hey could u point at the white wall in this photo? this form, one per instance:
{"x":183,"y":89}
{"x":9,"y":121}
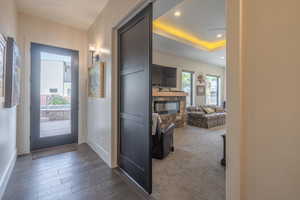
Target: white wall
{"x":34,"y":29}
{"x":8,"y":26}
{"x":101,"y":112}
{"x":198,"y":67}
{"x":271,"y":110}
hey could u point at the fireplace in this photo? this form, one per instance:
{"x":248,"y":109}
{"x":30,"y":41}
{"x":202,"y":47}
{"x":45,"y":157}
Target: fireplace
{"x":167,"y":107}
{"x":171,"y":106}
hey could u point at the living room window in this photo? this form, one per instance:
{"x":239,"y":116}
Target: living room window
{"x":212,"y":90}
{"x":187,"y":85}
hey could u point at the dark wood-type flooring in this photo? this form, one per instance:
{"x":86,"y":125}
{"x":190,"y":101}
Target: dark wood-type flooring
{"x":75,"y":175}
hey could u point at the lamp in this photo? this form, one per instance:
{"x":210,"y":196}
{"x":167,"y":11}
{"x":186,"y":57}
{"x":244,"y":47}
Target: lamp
{"x":94,"y":52}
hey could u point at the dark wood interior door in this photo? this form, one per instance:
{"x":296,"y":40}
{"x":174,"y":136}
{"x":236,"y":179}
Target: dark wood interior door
{"x":135,"y":96}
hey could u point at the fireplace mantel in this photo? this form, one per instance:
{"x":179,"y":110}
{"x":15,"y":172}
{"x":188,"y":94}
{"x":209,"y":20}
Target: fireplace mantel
{"x":169,"y":94}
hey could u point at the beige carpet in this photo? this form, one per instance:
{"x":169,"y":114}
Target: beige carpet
{"x":193,"y":171}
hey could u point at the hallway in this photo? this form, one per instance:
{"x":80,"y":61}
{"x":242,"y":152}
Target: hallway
{"x":75,"y":175}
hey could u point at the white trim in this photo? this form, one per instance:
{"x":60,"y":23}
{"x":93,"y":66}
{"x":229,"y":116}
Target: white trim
{"x":132,"y":13}
{"x":104,"y":155}
{"x":114,"y":98}
{"x":7,"y":173}
{"x":234,"y":99}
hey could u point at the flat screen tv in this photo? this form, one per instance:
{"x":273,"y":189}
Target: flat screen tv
{"x":163,"y":76}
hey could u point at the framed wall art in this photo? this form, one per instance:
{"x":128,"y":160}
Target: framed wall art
{"x":97,"y":80}
{"x":2,"y":69}
{"x":12,"y":74}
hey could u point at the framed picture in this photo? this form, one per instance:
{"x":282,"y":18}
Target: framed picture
{"x":2,"y":69}
{"x":12,"y":74}
{"x":96,"y":80}
{"x":200,"y":90}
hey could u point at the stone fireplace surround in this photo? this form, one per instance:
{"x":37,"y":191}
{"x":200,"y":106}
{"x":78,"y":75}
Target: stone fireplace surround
{"x":178,"y":118}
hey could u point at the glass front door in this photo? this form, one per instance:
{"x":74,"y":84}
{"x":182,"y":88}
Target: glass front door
{"x":54,"y":96}
{"x":187,"y":86}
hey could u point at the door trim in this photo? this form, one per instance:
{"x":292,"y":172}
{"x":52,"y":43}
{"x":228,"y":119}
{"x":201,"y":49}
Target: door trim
{"x":234,"y":14}
{"x":138,"y":8}
{"x":114,"y":148}
{"x":74,"y":101}
{"x":234,"y":59}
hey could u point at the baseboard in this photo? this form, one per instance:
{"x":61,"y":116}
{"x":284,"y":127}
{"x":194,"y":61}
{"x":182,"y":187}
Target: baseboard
{"x":7,"y":172}
{"x":104,"y":155}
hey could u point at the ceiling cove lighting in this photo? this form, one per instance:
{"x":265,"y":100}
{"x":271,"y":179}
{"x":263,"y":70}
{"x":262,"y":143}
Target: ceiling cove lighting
{"x":177,"y":14}
{"x":175,"y":32}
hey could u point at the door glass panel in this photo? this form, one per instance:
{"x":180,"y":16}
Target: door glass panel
{"x":55,"y":95}
{"x":187,"y":86}
{"x":212,"y":90}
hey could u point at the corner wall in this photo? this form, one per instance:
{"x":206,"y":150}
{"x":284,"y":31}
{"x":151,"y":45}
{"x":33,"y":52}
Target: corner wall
{"x":271,"y":110}
{"x":8,"y":26}
{"x":102,"y":121}
{"x":35,"y":29}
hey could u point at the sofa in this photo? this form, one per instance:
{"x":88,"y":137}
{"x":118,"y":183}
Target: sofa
{"x":206,"y":116}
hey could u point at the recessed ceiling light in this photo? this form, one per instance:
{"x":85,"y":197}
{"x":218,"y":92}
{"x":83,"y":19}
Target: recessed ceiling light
{"x":222,"y":57}
{"x":219,"y":35}
{"x":177,"y":14}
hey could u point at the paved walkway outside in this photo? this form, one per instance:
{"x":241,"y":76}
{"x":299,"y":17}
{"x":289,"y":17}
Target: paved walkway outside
{"x":54,"y":128}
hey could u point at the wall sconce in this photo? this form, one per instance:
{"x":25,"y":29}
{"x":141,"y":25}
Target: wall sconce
{"x":95,"y":53}
{"x":104,"y":51}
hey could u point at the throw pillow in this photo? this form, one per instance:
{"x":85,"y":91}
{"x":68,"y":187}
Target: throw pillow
{"x":208,"y":110}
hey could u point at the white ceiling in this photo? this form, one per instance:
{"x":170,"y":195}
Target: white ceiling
{"x":76,"y":13}
{"x":202,"y":18}
{"x":169,"y":46}
{"x":160,"y":7}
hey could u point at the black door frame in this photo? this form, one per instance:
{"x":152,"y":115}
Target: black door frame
{"x":135,"y":18}
{"x":218,"y":92}
{"x":35,"y":141}
{"x":192,"y":73}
